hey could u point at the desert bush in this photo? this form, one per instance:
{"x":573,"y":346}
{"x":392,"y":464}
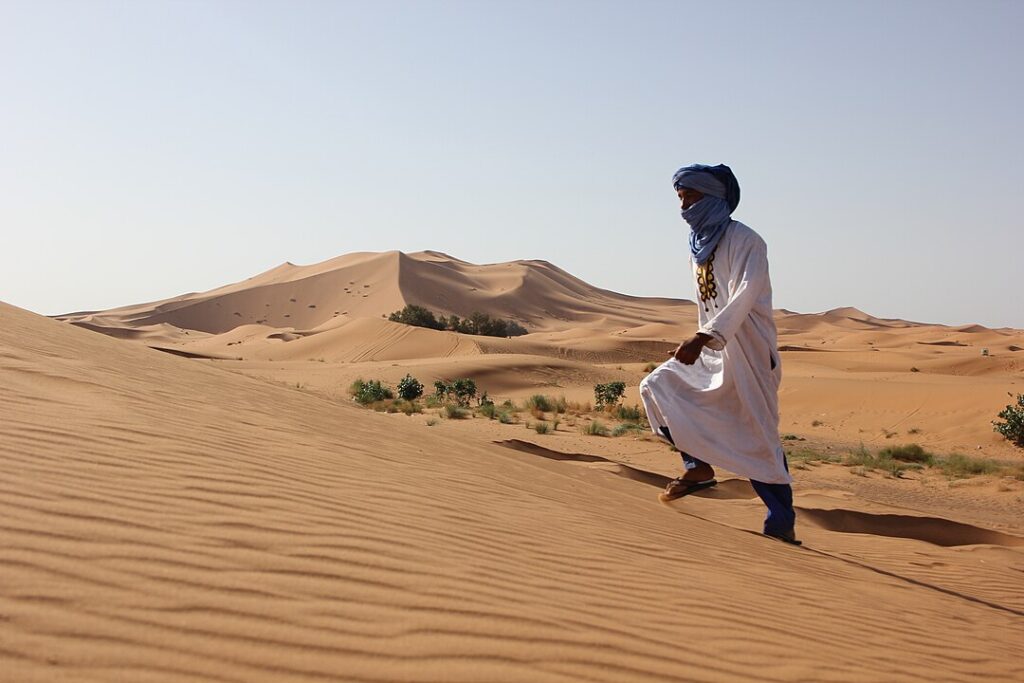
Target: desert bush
{"x":595,"y":428}
{"x":909,"y":453}
{"x":454,"y":412}
{"x":505,"y":417}
{"x":410,"y":388}
{"x":540,"y":402}
{"x":541,"y":427}
{"x":629,"y":414}
{"x":650,"y":367}
{"x":959,"y":466}
{"x":464,"y":391}
{"x":1012,"y":426}
{"x":622,"y":430}
{"x":608,"y":394}
{"x":488,"y":410}
{"x":366,"y":393}
{"x":431,"y":422}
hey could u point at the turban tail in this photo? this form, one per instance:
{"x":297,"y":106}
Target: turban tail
{"x":709,"y":217}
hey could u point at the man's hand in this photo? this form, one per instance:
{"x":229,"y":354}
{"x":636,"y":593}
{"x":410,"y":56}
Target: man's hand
{"x":688,"y":352}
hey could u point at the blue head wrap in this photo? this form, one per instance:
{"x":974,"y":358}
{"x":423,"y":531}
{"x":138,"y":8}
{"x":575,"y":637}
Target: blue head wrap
{"x":709,"y":217}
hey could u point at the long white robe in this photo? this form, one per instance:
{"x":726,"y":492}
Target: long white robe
{"x":724,"y":409}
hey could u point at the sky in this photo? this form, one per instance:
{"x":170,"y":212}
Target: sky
{"x":148,"y":149}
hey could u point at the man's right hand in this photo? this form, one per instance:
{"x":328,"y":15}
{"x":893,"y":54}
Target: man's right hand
{"x":688,"y":352}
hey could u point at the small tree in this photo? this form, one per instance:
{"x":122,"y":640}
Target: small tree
{"x":442,"y":389}
{"x":609,"y":394}
{"x":464,"y":390}
{"x":410,"y":388}
{"x":1013,"y":427}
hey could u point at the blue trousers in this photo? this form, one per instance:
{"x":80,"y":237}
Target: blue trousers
{"x":778,"y":498}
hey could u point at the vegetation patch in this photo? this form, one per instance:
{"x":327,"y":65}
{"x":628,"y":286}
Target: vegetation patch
{"x":477,"y":323}
{"x":608,"y":394}
{"x":1011,"y":424}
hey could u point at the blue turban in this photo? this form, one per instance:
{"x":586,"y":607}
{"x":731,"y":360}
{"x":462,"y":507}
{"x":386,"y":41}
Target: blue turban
{"x":709,"y":217}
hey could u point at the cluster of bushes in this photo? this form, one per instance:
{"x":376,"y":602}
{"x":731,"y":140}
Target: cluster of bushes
{"x":461,"y":391}
{"x":478,"y":323}
{"x":896,"y":460}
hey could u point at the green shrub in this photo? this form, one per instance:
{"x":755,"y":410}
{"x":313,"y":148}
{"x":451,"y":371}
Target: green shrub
{"x":373,"y":391}
{"x":505,"y":417}
{"x":609,"y":394}
{"x":488,"y":410}
{"x":595,"y":428}
{"x":454,"y":412}
{"x":410,"y":388}
{"x":1013,"y":426}
{"x":541,"y":427}
{"x":909,"y":453}
{"x":541,"y":403}
{"x":621,"y":430}
{"x":464,"y":391}
{"x":959,"y":466}
{"x":629,"y":414}
{"x":650,"y":367}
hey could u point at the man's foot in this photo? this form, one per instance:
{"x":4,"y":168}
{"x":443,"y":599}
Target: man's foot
{"x":684,"y":486}
{"x":787,"y":536}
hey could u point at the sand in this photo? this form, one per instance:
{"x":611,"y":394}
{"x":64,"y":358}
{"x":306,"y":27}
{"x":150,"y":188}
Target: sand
{"x":192,"y":516}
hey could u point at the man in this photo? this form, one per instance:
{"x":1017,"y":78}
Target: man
{"x":716,"y":399}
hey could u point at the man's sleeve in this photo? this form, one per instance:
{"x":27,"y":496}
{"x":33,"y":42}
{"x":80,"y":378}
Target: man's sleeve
{"x":749,"y":267}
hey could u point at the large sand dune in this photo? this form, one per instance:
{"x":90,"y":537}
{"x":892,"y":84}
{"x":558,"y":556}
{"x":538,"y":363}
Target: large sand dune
{"x":166,"y":519}
{"x":858,"y":377}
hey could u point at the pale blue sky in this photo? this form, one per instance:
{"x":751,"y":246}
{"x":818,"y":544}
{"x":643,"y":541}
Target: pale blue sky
{"x":148,"y":149}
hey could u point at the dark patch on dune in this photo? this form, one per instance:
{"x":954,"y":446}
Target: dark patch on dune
{"x":942,"y":343}
{"x":190,"y":354}
{"x":933,"y":530}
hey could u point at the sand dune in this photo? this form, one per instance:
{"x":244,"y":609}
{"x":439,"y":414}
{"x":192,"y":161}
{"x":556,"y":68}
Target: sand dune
{"x":164,"y":519}
{"x":866,"y":378}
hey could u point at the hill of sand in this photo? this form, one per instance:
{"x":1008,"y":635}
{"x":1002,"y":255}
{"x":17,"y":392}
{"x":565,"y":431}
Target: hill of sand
{"x":849,"y":377}
{"x":169,"y":519}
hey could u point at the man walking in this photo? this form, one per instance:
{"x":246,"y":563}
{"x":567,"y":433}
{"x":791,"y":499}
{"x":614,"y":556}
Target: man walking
{"x":716,"y":399}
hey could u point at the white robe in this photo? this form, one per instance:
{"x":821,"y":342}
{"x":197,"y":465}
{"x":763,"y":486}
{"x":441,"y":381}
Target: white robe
{"x":724,"y":409}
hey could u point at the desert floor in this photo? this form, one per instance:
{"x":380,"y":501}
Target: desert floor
{"x":193,"y":495}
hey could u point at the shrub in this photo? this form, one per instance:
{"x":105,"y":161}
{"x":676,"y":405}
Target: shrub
{"x":959,"y":466}
{"x":595,"y":428}
{"x":650,"y":367}
{"x":410,"y":388}
{"x":505,"y":417}
{"x":464,"y":390}
{"x":488,"y":410}
{"x":454,"y":412}
{"x":909,"y":453}
{"x":629,"y":414}
{"x":609,"y":394}
{"x":1013,"y":426}
{"x":541,"y":403}
{"x":541,"y":427}
{"x":431,"y":422}
{"x":373,"y":391}
{"x":621,"y":430}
